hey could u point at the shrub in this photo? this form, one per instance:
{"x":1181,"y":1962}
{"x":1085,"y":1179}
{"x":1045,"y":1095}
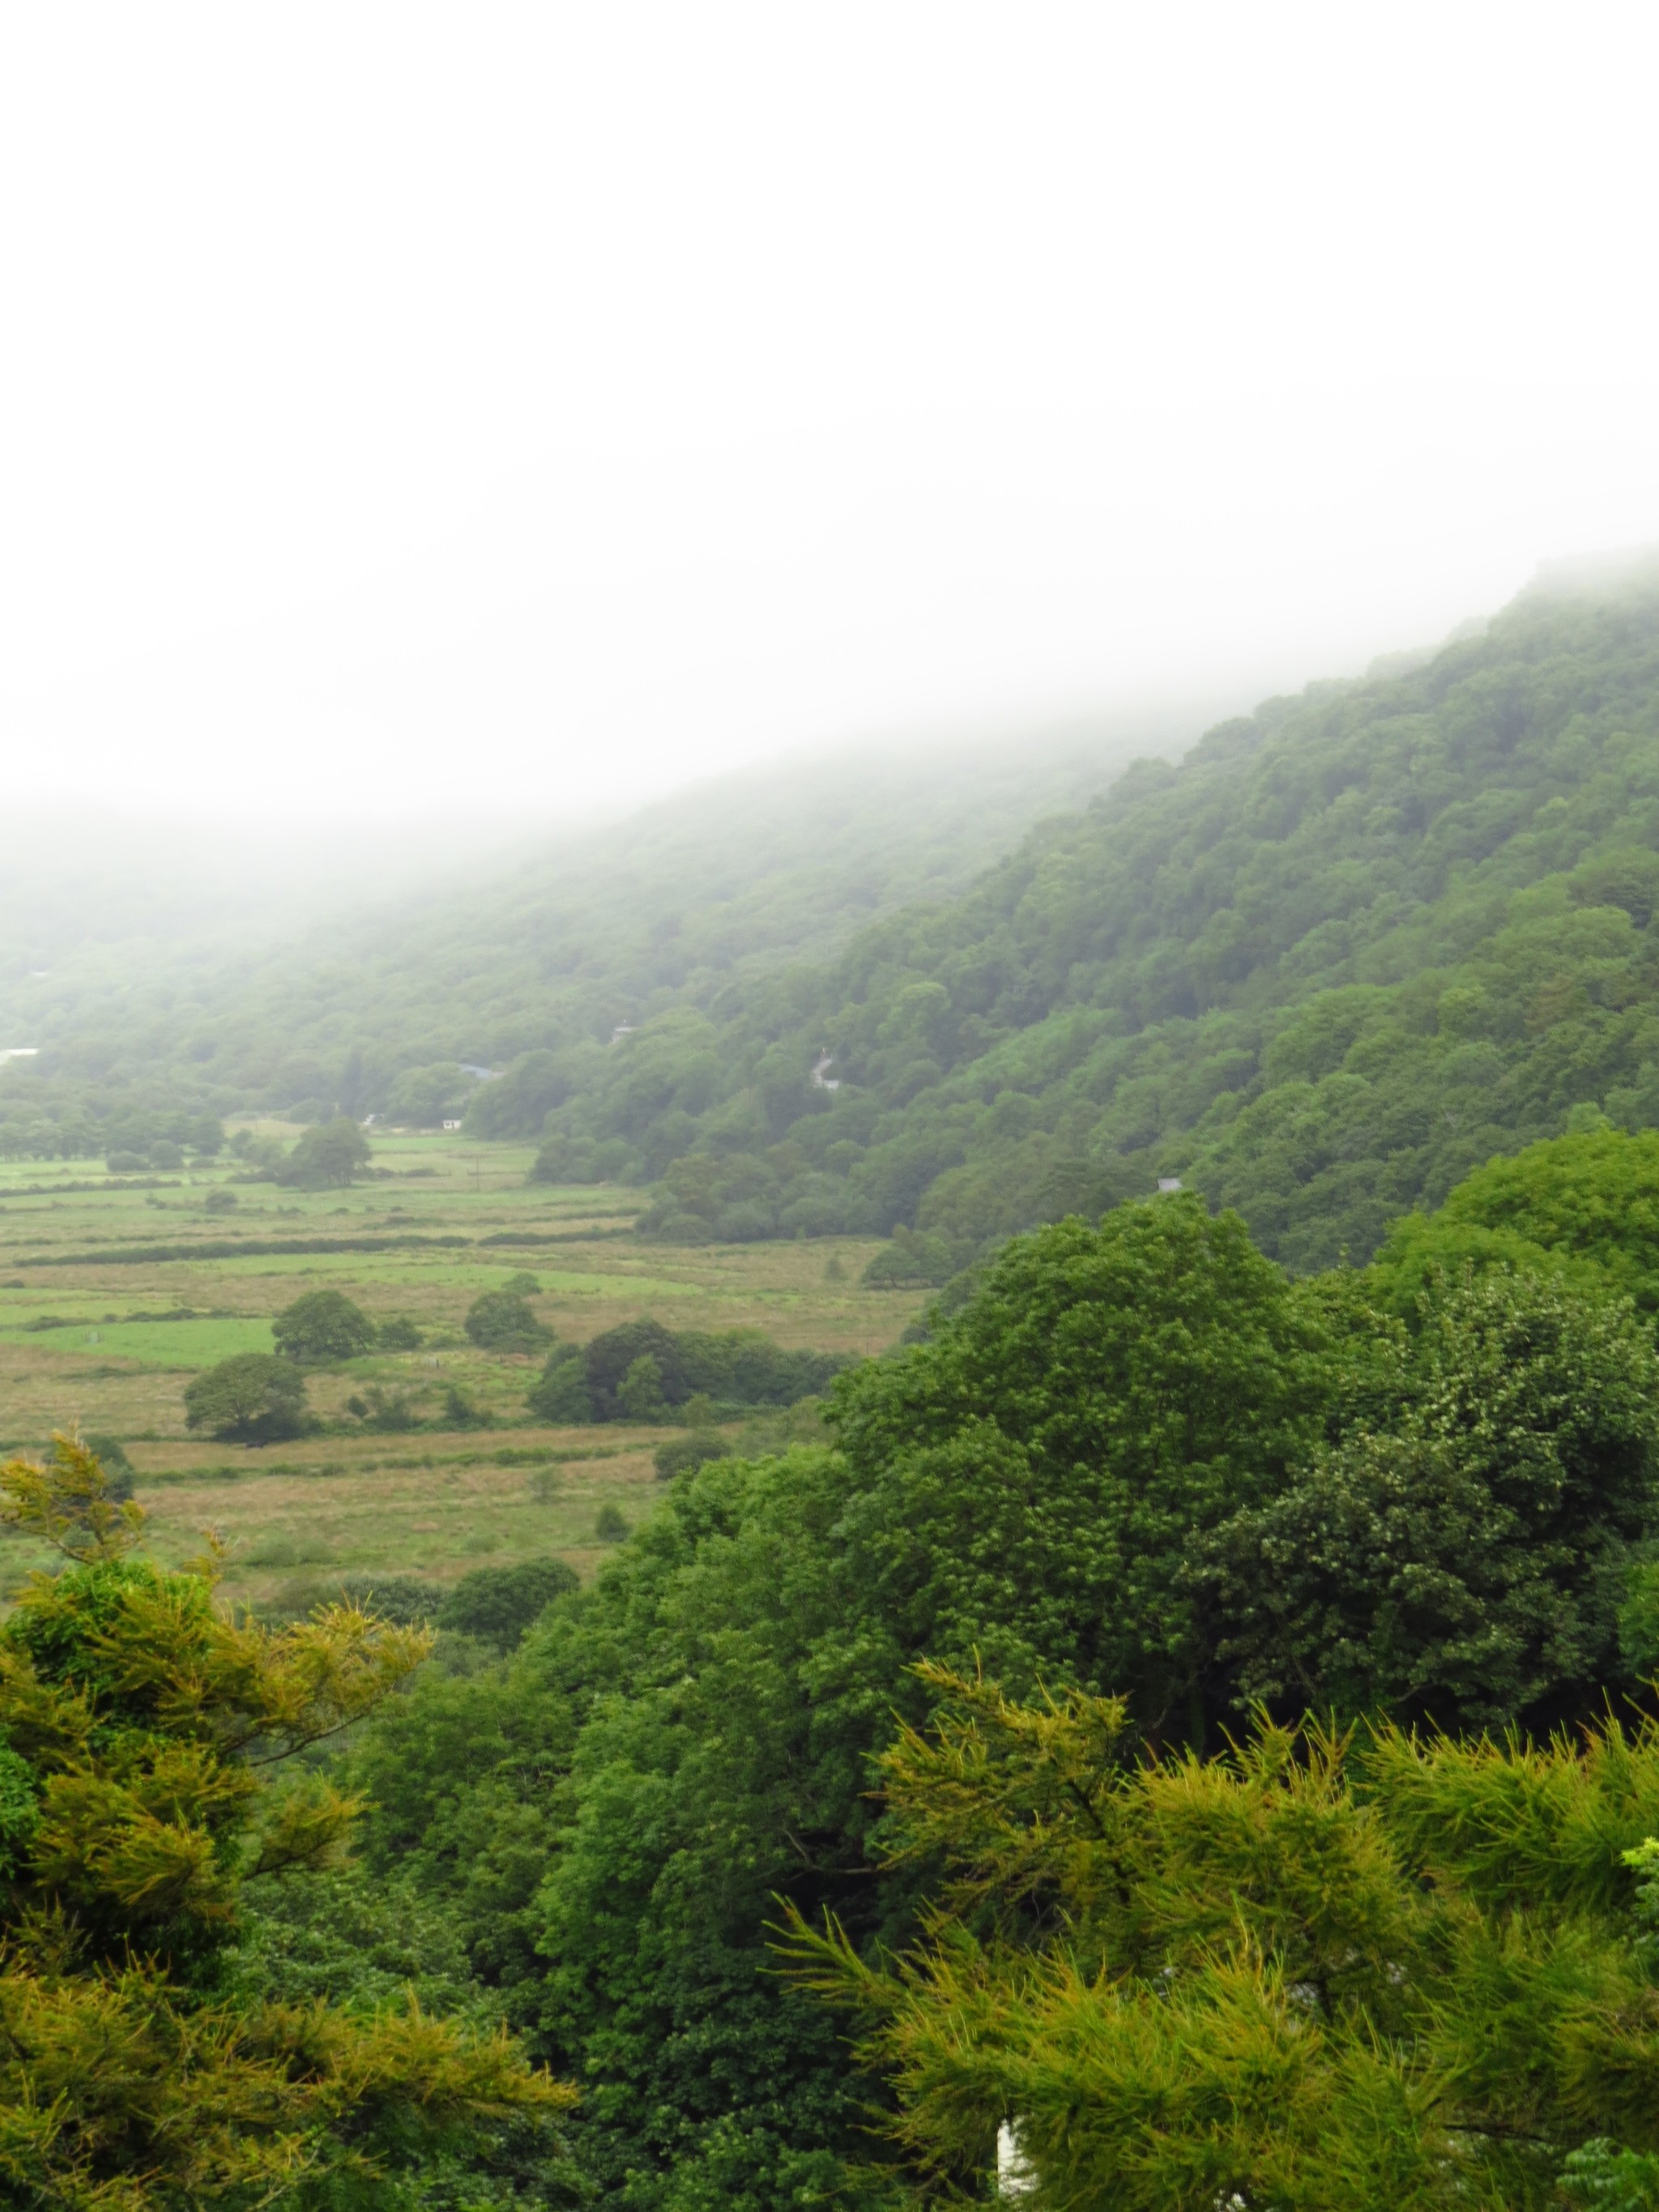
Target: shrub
{"x":497,"y":1604}
{"x":221,"y":1202}
{"x":166,"y":1155}
{"x":610,"y":1525}
{"x":399,"y":1600}
{"x":254,"y":1398}
{"x":117,"y":1469}
{"x":680,"y":1453}
{"x":126,"y":1162}
{"x":501,"y":1321}
{"x":321,"y":1326}
{"x":399,"y":1333}
{"x":461,"y":1410}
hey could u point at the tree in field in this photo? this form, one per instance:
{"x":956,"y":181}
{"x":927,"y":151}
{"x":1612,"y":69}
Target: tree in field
{"x":560,"y":1394}
{"x":639,"y":1395}
{"x":1375,"y":1972}
{"x":326,"y":1156}
{"x":320,"y":1327}
{"x":501,"y":1321}
{"x":254,"y":1398}
{"x":136,"y":2074}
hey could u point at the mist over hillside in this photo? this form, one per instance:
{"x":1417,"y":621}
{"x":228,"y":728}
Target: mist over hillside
{"x":176,"y":970}
{"x":1346,"y":948}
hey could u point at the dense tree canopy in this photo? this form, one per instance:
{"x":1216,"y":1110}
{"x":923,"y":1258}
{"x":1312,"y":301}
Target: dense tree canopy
{"x":1373,"y":1973}
{"x":138,"y":1717}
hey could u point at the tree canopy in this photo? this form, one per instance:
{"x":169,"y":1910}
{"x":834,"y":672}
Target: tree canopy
{"x":139,"y":1718}
{"x":252,"y":1398}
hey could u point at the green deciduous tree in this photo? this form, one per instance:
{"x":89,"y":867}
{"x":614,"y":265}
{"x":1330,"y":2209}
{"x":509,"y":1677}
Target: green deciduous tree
{"x":254,"y":1398}
{"x":560,"y":1394}
{"x":499,"y":1604}
{"x":1467,"y":1561}
{"x":329,"y":1156}
{"x":321,"y":1326}
{"x":501,"y":1321}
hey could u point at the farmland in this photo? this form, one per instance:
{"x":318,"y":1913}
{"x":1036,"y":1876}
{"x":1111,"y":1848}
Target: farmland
{"x":115,"y":1292}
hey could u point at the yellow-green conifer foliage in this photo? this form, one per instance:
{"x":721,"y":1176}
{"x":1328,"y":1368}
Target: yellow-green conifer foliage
{"x":140,"y":1721}
{"x":1367,"y":1970}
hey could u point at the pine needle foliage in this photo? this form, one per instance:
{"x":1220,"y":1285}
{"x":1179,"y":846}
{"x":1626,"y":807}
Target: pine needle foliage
{"x":136,"y":1715}
{"x":1361,"y":1968}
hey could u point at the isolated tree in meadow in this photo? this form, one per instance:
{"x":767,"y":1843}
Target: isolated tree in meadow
{"x":254,"y":1398}
{"x":501,"y":1321}
{"x":323,"y":1325}
{"x":326,"y":1156}
{"x":136,"y":2074}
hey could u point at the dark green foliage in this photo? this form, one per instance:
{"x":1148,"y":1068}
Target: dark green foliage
{"x":499,"y":1604}
{"x":1467,"y":1564}
{"x":916,"y":1257}
{"x":328,"y":1155}
{"x":255,"y":1398}
{"x":1108,"y":1396}
{"x":398,"y":1332}
{"x":501,"y":1321}
{"x":400,"y":1599}
{"x":740,"y":1367}
{"x":118,"y":1470}
{"x":322,"y":1326}
{"x":681,"y":1454}
{"x":610,"y":1524}
{"x":561,"y":1395}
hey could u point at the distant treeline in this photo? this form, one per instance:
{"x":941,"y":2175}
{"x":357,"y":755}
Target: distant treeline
{"x":642,"y":1370}
{"x":404,"y":1013}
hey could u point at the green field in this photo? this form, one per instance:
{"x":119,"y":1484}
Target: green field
{"x":115,"y":1292}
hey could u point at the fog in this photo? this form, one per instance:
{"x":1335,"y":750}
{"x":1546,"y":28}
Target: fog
{"x":490,"y":418}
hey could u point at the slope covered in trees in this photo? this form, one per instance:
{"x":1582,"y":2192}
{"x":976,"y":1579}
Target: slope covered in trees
{"x":376,"y":1009}
{"x":1145,"y":1473}
{"x":1350,"y":947}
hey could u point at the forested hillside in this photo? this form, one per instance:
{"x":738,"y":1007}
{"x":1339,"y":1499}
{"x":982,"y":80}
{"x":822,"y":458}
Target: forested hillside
{"x":1350,"y":946}
{"x":1353,"y":946}
{"x":151,"y":1007}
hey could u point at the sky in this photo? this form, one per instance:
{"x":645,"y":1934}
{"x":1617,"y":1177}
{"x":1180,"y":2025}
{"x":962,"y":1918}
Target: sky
{"x":492,"y":413}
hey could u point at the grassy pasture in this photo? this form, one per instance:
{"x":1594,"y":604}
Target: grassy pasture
{"x":128,"y":1333}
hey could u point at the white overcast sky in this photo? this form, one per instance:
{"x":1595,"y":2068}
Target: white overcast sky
{"x":496,"y":410}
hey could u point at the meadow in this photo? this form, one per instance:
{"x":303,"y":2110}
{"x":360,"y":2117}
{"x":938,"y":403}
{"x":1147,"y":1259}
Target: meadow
{"x":116,"y":1290}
